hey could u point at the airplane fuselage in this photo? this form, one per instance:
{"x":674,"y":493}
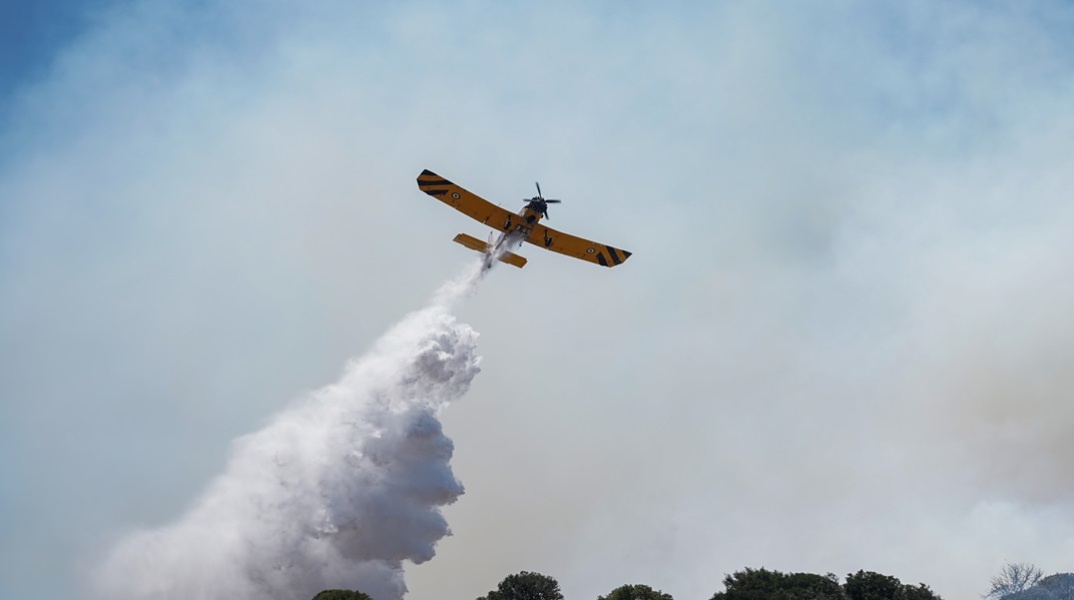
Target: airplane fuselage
{"x":516,"y":229}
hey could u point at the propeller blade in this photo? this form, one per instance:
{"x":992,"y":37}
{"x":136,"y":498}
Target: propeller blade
{"x":538,"y":189}
{"x":553,"y":201}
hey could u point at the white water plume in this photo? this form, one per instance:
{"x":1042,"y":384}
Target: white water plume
{"x":335,"y":492}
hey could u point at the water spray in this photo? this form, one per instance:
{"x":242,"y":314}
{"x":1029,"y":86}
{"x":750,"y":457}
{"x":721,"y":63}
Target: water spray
{"x":337,"y":491}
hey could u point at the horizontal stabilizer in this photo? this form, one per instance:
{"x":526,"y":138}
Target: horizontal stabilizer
{"x":475,"y":244}
{"x":471,"y":242}
{"x":513,"y":259}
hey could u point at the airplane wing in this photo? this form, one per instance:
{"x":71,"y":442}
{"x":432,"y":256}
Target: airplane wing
{"x":466,"y":202}
{"x":564,"y":243}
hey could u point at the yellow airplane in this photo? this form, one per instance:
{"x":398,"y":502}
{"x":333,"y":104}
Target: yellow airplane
{"x":515,"y":228}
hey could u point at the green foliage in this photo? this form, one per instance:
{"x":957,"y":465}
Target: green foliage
{"x":526,"y":586}
{"x":920,"y":592}
{"x":635,"y":592}
{"x":869,"y":585}
{"x":762,"y":584}
{"x":342,"y":595}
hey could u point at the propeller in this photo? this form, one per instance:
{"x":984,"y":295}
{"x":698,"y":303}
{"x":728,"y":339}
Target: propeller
{"x":541,"y":203}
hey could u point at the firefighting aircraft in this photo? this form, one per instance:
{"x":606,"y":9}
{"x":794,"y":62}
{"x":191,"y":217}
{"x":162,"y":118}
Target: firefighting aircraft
{"x":515,"y":228}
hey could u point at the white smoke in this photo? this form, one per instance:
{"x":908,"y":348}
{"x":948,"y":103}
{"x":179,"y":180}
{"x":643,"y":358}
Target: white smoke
{"x":336,"y":492}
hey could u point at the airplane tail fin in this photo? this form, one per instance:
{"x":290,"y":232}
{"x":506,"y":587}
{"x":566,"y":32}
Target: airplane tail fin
{"x":477,"y":245}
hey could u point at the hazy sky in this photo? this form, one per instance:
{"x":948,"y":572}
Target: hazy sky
{"x":843,"y":341}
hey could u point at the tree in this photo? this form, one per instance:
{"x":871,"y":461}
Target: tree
{"x":869,"y":585}
{"x":1053,"y":587}
{"x":762,"y":584}
{"x":526,"y":586}
{"x":920,"y":592}
{"x":1013,"y":578}
{"x":1061,"y":585}
{"x":635,"y":592}
{"x":342,"y":595}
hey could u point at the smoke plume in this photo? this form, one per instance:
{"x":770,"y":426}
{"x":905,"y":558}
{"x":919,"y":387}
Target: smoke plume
{"x":335,"y":492}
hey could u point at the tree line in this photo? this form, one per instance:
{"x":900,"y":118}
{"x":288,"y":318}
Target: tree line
{"x":1016,"y":581}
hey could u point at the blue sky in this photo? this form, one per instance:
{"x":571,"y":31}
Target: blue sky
{"x":32,"y":33}
{"x":841,"y":341}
